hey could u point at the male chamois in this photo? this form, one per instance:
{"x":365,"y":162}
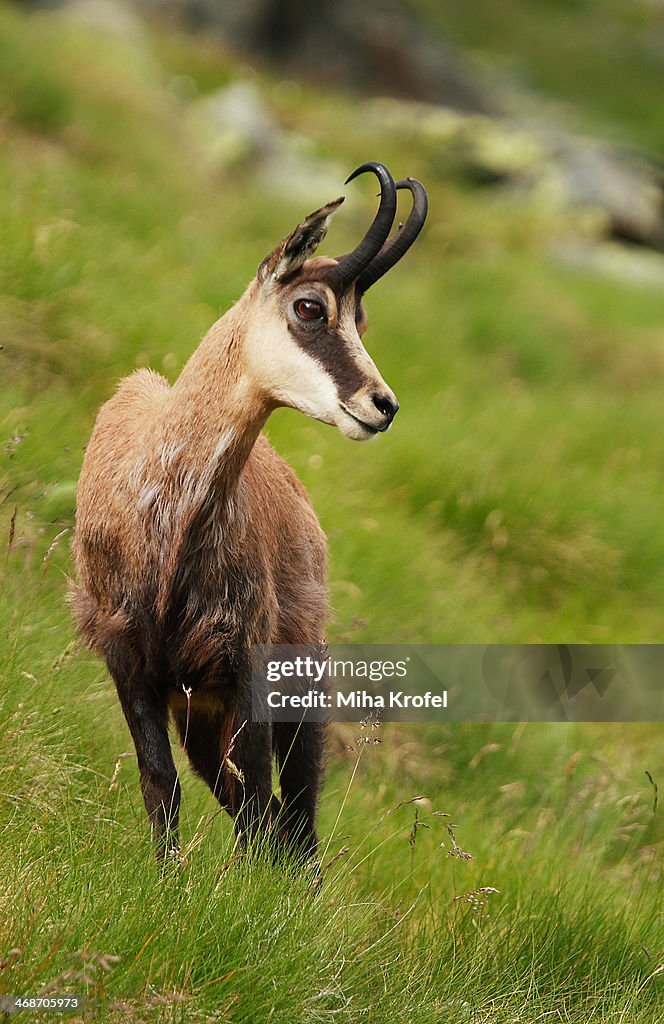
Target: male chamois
{"x":194,"y":540}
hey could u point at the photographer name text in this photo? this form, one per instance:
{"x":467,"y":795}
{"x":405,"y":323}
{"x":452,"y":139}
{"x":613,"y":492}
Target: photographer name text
{"x":356,"y":699}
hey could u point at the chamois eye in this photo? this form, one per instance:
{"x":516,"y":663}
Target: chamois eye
{"x":309,"y":309}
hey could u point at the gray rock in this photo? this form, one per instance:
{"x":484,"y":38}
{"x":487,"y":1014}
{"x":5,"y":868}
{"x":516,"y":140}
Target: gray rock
{"x":115,"y":17}
{"x":381,"y":48}
{"x":561,"y":171}
{"x":638,"y":267}
{"x":627,"y":189}
{"x":235,"y":126}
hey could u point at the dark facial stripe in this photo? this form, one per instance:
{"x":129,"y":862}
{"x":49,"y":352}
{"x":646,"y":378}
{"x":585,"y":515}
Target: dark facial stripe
{"x":330,"y":351}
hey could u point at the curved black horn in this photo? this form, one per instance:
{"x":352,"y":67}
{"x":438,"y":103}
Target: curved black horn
{"x":353,"y":263}
{"x":394,"y":249}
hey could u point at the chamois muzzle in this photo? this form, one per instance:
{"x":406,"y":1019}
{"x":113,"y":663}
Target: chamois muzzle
{"x":387,"y":406}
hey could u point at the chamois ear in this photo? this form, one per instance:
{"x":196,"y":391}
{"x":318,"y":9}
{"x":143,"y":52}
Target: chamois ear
{"x":297,"y":247}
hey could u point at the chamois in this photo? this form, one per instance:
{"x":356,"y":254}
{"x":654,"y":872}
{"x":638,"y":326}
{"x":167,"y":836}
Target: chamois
{"x":194,"y":540}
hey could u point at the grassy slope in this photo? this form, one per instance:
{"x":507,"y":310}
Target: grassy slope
{"x":517,"y":498}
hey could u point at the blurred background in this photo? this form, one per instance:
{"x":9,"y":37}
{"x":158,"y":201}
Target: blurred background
{"x":151,"y":154}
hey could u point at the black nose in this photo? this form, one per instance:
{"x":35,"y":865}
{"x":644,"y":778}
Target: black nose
{"x":387,"y":407}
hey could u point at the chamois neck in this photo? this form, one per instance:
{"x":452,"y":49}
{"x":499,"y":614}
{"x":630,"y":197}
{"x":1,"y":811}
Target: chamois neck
{"x":215,"y":411}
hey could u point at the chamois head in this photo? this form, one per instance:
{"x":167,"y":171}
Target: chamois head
{"x":306,"y":346}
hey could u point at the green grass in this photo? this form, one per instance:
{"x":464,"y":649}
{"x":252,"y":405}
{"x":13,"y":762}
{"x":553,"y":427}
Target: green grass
{"x":558,"y":821}
{"x":518,"y":498}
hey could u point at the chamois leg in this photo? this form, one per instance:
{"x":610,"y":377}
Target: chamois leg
{"x":300,"y":754}
{"x":249,"y":773}
{"x":251,"y":793}
{"x":147,"y":718}
{"x":209,"y":752}
{"x":203,"y":739}
{"x":208,"y":749}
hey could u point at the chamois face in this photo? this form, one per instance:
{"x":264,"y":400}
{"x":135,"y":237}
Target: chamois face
{"x":307,"y":351}
{"x":305,"y":347}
